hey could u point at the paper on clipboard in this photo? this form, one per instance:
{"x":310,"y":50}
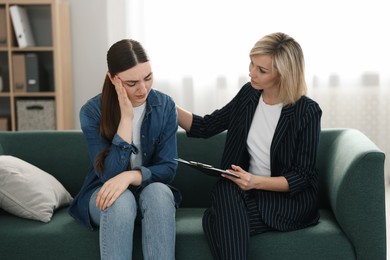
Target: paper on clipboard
{"x":206,"y":168}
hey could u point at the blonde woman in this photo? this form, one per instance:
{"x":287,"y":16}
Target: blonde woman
{"x":272,"y":138}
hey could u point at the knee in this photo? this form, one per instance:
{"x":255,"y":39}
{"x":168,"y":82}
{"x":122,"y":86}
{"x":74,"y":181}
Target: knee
{"x":124,"y":207}
{"x":156,"y":196}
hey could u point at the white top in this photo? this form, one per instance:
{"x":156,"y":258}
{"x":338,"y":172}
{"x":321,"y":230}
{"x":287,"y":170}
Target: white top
{"x":260,"y":136}
{"x":139,"y":113}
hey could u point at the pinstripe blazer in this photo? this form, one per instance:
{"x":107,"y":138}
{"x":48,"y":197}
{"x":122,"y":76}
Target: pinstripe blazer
{"x":293,"y":154}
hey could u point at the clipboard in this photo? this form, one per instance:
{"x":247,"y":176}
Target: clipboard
{"x":206,"y":168}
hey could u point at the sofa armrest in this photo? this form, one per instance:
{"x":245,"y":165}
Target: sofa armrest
{"x":352,"y":178}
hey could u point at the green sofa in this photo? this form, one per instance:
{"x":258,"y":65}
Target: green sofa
{"x":352,"y":201}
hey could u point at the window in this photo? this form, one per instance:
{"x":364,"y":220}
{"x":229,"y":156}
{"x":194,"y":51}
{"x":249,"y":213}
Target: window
{"x":199,"y":52}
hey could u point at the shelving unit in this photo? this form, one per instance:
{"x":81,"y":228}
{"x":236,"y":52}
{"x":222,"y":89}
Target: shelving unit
{"x":49,"y":20}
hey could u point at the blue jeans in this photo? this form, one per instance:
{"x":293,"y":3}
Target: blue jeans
{"x":116,"y":223}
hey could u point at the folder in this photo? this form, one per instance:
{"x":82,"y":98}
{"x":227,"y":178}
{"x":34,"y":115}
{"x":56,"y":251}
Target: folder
{"x":33,"y":81}
{"x":3,"y":124}
{"x":1,"y":83}
{"x":1,"y":80}
{"x":21,"y":25}
{"x":19,"y":72}
{"x":3,"y":28}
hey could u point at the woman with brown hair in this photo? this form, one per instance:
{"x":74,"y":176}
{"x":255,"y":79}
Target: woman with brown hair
{"x":130,"y":130}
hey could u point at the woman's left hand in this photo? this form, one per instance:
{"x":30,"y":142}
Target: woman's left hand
{"x":245,"y":182}
{"x":248,"y":181}
{"x":114,"y":187}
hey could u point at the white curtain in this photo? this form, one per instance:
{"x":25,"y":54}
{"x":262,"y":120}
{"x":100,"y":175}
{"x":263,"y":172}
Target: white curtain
{"x":199,"y":52}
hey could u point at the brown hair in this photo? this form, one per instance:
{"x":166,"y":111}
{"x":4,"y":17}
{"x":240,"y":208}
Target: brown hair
{"x":121,"y":56}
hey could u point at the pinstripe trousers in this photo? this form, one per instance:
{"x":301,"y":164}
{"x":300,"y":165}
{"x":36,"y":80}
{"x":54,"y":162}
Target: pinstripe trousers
{"x":230,"y":221}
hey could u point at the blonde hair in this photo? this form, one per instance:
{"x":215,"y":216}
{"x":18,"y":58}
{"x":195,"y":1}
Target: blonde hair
{"x":287,"y":59}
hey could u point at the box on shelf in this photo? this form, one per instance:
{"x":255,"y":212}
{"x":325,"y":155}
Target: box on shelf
{"x":35,"y":114}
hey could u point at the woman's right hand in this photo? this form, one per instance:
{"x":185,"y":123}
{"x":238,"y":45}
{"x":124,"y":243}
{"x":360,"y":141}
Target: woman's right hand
{"x":114,"y":187}
{"x":125,"y":127}
{"x":124,"y":101}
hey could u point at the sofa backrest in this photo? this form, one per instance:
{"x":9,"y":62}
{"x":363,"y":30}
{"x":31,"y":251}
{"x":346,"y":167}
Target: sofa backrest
{"x":195,"y":185}
{"x":64,"y":155}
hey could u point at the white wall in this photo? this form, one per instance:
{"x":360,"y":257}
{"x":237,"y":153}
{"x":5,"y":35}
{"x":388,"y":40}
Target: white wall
{"x":95,"y":25}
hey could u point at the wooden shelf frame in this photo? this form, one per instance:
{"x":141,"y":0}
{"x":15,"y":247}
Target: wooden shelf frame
{"x":59,"y":47}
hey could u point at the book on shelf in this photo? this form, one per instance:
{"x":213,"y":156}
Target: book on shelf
{"x":3,"y":28}
{"x":21,"y":25}
{"x":1,"y":80}
{"x":206,"y":168}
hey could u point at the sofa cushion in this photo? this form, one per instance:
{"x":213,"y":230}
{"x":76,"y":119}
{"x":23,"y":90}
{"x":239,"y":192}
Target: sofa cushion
{"x":29,"y":192}
{"x":61,"y":238}
{"x":64,"y":238}
{"x":322,"y":241}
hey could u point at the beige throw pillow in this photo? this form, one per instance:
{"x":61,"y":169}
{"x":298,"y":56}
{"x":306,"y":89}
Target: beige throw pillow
{"x":29,"y":192}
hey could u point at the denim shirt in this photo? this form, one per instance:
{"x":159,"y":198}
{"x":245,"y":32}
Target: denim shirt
{"x":158,"y":146}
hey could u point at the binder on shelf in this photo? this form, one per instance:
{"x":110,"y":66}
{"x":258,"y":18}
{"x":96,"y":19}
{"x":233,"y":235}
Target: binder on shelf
{"x":4,"y":124}
{"x":19,"y":72}
{"x":1,"y":80}
{"x":33,"y":73}
{"x":21,"y":25}
{"x":3,"y":28}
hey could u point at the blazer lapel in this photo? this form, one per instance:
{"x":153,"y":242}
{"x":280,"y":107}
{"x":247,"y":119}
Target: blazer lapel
{"x":251,"y":108}
{"x":240,"y":132}
{"x":282,"y":127}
